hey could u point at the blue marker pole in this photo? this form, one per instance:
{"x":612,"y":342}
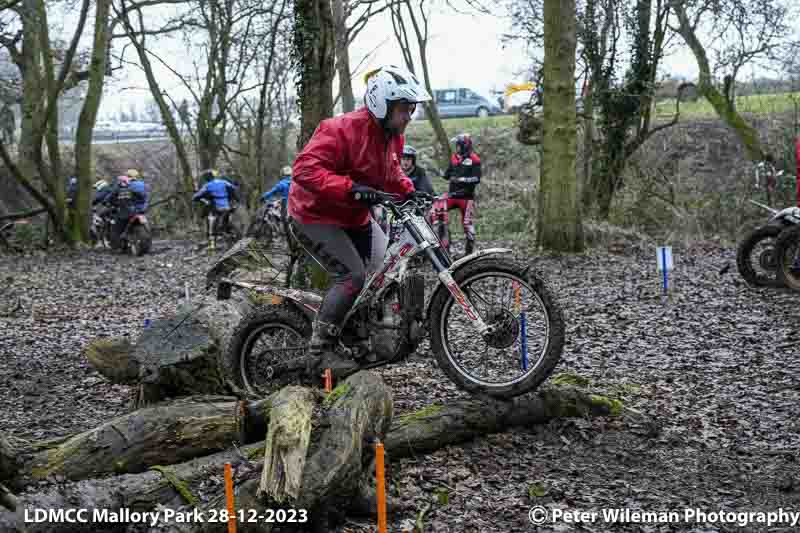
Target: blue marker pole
{"x":524,"y":343}
{"x":664,"y":266}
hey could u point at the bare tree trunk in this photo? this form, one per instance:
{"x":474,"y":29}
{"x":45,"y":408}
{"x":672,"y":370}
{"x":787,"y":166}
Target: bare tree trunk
{"x":748,"y":135}
{"x":342,"y":56}
{"x":559,"y":226}
{"x":264,"y":99}
{"x":421,"y":33}
{"x":315,"y":44}
{"x":588,"y":150}
{"x":166,"y":114}
{"x":83,"y":139}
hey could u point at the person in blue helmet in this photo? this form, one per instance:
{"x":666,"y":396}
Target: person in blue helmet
{"x":282,"y":188}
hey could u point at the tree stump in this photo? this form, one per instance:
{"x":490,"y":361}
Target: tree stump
{"x":176,"y":355}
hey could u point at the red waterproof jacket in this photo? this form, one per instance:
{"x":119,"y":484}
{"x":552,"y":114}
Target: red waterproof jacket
{"x":345,"y":150}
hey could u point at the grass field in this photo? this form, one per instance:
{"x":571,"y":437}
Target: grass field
{"x":420,"y":131}
{"x":756,"y":104}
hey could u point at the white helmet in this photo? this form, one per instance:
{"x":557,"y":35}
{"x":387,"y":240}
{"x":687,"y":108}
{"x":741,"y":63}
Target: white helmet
{"x":391,"y":83}
{"x":99,"y":184}
{"x":286,"y":171}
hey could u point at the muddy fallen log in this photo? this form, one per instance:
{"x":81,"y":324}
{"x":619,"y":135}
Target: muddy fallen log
{"x":317,"y":470}
{"x":436,"y":426}
{"x":105,"y":499}
{"x":176,"y":355}
{"x":330,"y":470}
{"x":315,"y":474}
{"x":176,"y":431}
{"x":164,"y":434}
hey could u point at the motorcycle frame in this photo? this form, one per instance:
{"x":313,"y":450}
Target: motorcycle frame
{"x":788,"y":216}
{"x":409,"y":244}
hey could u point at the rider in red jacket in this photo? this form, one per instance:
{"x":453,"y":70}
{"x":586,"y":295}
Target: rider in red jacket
{"x":336,"y":178}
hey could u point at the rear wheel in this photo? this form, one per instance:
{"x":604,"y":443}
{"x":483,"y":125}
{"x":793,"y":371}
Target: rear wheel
{"x":267,"y":349}
{"x":755,"y":257}
{"x":528,"y":336}
{"x":140,"y":240}
{"x":787,"y":257}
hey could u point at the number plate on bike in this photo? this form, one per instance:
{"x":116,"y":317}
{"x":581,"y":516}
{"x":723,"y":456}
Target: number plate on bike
{"x":424,"y":229}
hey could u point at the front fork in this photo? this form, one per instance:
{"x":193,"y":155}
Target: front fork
{"x":441,"y":263}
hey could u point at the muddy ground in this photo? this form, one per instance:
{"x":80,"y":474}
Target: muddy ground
{"x":708,"y":377}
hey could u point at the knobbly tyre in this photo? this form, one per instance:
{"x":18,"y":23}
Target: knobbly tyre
{"x":486,"y":312}
{"x":787,"y":256}
{"x":756,"y":257}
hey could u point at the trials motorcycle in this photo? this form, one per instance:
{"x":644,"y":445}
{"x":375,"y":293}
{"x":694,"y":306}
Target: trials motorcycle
{"x":494,"y":325}
{"x":756,"y":255}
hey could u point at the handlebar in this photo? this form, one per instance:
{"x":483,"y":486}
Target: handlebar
{"x":398,"y":206}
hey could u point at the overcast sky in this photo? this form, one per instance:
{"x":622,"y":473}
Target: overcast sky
{"x":464,"y":51}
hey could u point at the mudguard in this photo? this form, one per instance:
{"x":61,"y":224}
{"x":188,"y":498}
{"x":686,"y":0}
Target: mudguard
{"x":458,"y":265}
{"x":306,"y":302}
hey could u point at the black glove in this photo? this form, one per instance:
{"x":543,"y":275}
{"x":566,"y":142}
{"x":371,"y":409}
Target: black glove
{"x":365,"y":194}
{"x":419,"y":196}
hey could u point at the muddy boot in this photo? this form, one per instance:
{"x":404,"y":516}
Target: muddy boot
{"x":325,"y":351}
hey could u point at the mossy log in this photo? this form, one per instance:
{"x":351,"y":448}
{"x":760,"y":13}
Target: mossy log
{"x":333,"y":476}
{"x":436,"y":426}
{"x":172,"y":486}
{"x":337,"y":472}
{"x":165,"y":434}
{"x":176,"y":355}
{"x":182,"y":429}
{"x":332,"y":472}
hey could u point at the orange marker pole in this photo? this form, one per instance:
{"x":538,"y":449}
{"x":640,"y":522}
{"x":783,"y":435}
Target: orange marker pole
{"x":328,"y":380}
{"x":381,"y":487}
{"x":516,"y":286}
{"x":229,"y":498}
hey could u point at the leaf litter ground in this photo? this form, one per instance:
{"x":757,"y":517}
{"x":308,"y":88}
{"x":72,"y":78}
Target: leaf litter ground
{"x":709,"y":379}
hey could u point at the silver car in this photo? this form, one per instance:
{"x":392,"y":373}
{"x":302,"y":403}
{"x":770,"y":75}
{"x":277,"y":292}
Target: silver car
{"x":461,"y":102}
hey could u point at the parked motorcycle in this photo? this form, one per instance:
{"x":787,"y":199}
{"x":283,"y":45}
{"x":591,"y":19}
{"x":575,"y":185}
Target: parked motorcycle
{"x":494,"y":326}
{"x":756,"y":256}
{"x":136,"y":239}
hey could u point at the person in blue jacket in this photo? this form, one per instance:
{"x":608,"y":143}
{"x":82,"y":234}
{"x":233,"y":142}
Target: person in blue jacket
{"x":221,"y":192}
{"x":282,"y":188}
{"x":139,"y":187}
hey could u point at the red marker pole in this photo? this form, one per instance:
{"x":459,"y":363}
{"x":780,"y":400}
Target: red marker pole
{"x":229,"y":498}
{"x":380,"y":487}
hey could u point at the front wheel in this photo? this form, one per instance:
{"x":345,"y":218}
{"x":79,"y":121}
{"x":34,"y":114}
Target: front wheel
{"x":787,"y":257}
{"x":527,"y":339}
